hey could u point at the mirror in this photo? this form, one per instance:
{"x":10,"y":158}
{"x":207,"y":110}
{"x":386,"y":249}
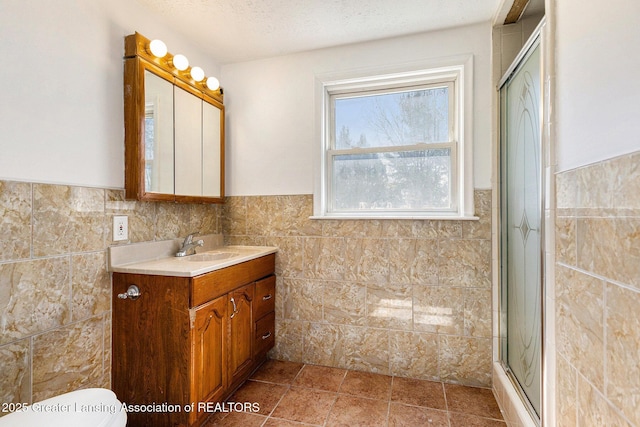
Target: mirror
{"x":174,"y":131}
{"x":158,"y":134}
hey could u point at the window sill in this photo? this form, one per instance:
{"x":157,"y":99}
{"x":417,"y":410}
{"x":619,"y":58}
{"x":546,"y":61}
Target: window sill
{"x":382,"y":217}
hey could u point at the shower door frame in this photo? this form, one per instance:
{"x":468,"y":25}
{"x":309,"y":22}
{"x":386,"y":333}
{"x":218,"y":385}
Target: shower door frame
{"x":535,"y":40}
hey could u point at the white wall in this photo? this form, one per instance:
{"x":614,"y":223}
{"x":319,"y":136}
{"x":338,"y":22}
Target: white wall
{"x":598,"y":91}
{"x":270,"y":106}
{"x":61,"y":117}
{"x":61,"y":112}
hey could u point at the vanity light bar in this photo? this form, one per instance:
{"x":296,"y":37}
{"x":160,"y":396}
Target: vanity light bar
{"x":156,"y":51}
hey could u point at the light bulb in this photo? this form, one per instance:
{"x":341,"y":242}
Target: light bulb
{"x":213,"y":83}
{"x":158,"y":48}
{"x":180,"y":62}
{"x":197,"y":74}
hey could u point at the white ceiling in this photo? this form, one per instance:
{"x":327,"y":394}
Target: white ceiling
{"x":240,"y":30}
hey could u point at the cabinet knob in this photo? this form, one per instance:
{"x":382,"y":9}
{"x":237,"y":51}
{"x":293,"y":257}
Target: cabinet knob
{"x":267,"y":335}
{"x":266,"y":297}
{"x":132,"y":293}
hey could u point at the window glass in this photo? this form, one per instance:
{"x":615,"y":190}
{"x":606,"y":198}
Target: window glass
{"x":395,"y":180}
{"x":392,"y":119}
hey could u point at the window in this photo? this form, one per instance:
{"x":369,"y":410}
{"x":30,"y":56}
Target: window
{"x":393,"y":146}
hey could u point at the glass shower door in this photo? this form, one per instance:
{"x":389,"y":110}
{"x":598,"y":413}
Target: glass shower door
{"x":521,"y":222}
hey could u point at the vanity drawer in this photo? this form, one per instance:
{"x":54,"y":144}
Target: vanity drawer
{"x":219,"y":282}
{"x":265,"y":297}
{"x":265,"y":334}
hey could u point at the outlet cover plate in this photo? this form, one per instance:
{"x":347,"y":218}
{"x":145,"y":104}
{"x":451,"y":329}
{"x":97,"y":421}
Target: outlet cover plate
{"x":120,"y":228}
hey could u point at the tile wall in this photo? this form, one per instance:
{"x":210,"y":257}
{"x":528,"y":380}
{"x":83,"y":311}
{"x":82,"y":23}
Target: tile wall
{"x":399,"y":297}
{"x":55,"y":293}
{"x":598,"y":294}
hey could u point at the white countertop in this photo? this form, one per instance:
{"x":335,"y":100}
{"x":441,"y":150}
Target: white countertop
{"x":157,"y":258}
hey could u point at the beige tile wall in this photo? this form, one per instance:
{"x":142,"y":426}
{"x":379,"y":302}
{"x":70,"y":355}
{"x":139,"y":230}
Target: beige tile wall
{"x":401,"y":297}
{"x":55,"y":293}
{"x":404,"y":297}
{"x":598,"y":294}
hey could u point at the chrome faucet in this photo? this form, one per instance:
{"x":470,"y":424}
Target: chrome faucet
{"x":189,"y":246}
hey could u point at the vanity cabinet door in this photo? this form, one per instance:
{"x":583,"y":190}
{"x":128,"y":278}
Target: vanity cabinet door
{"x":209,"y":344}
{"x":241,"y":328}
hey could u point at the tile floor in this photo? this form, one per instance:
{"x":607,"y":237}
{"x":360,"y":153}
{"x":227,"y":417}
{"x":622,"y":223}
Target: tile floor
{"x":294,"y":394}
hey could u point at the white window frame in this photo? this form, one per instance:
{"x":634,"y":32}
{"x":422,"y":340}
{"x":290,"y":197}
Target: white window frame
{"x":455,"y":72}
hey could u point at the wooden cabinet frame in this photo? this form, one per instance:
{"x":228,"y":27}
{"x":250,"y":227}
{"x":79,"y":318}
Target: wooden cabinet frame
{"x":138,"y":59}
{"x":174,"y":343}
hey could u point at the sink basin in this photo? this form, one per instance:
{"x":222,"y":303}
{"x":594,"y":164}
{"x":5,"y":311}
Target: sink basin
{"x":214,"y":256}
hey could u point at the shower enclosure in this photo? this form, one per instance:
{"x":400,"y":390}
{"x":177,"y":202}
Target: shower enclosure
{"x":521,"y":222}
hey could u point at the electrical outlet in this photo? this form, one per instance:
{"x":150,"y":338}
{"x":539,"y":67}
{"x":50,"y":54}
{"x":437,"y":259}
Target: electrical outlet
{"x":120,"y":228}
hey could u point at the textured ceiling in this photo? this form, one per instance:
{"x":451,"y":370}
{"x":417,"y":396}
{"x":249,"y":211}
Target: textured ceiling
{"x":240,"y":30}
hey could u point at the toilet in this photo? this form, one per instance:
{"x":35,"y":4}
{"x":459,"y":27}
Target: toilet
{"x":92,"y":407}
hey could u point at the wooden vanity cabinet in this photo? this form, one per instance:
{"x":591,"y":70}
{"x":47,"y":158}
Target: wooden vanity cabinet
{"x":190,"y":340}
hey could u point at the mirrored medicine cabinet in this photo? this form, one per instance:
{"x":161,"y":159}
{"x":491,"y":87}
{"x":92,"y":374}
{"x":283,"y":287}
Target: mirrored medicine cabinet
{"x":174,"y":130}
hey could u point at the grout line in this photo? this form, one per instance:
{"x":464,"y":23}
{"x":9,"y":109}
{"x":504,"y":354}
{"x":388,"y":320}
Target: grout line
{"x":600,"y":393}
{"x":446,"y":404}
{"x":388,"y":412}
{"x":30,"y":397}
{"x":31,"y":221}
{"x":599,"y":277}
{"x":326,"y":419}
{"x":476,"y":415}
{"x":390,"y":397}
{"x":276,"y":405}
{"x":604,"y":355}
{"x":344,"y":376}
{"x":298,"y":374}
